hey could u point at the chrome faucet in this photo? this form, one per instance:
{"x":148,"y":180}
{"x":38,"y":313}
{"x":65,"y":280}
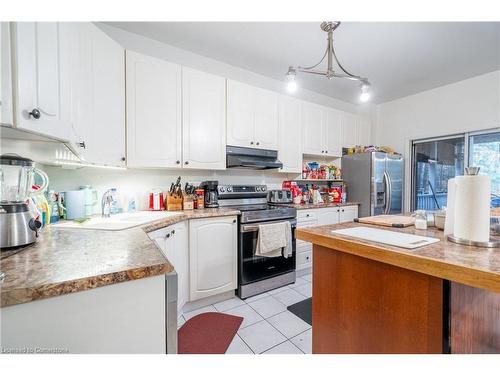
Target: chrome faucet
{"x":106,"y":201}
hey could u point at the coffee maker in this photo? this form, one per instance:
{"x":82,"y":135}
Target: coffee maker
{"x":18,"y":226}
{"x":211,"y":193}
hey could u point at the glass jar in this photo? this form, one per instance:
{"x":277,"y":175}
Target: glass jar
{"x":420,"y":219}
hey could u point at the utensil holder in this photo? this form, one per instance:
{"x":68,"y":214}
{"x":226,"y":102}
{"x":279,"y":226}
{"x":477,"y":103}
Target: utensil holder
{"x":174,"y":202}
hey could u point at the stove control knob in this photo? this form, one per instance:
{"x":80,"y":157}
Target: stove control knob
{"x":263,"y":188}
{"x":229,"y":189}
{"x":221,"y":189}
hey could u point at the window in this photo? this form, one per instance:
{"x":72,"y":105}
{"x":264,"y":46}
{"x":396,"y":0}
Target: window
{"x":484,"y":152}
{"x":435,"y":161}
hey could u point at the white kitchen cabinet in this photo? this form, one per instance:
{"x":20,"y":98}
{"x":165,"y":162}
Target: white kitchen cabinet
{"x":348,"y":213}
{"x":252,"y":116}
{"x":313,"y":118}
{"x":213,"y":255}
{"x":203,"y":120}
{"x":289,"y":150}
{"x":332,"y":134}
{"x":173,"y":242}
{"x":40,"y":86}
{"x":154,"y":128}
{"x":6,"y":109}
{"x":95,"y":64}
{"x":349,"y":130}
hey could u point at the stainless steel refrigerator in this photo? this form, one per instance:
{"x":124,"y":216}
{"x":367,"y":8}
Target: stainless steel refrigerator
{"x":375,"y":180}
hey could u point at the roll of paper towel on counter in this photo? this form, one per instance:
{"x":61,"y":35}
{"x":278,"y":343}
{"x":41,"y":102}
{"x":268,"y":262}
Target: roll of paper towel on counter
{"x":469,"y":208}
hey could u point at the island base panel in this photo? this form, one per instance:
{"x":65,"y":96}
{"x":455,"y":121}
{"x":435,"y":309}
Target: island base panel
{"x":364,"y":306}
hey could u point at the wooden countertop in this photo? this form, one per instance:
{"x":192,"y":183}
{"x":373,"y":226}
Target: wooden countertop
{"x":67,"y":260}
{"x":473,"y":266}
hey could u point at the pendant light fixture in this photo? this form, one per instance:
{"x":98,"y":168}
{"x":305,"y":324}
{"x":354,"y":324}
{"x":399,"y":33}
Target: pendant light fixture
{"x":329,"y":27}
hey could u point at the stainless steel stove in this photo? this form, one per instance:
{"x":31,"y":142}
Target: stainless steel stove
{"x":258,"y":274}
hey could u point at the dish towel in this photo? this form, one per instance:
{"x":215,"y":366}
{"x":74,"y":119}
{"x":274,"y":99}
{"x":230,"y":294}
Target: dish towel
{"x":274,"y":240}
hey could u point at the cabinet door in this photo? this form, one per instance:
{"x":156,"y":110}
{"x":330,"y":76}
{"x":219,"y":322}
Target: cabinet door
{"x":240,"y":114}
{"x":328,"y":216}
{"x":266,"y":120}
{"x":39,"y":82}
{"x":154,"y":125}
{"x":203,"y":120}
{"x":333,"y":133}
{"x":348,"y":213}
{"x":349,"y":133}
{"x":6,"y":115}
{"x":289,"y":151}
{"x":95,"y":67}
{"x":213,"y":256}
{"x":312,"y":128}
{"x":363,"y":131}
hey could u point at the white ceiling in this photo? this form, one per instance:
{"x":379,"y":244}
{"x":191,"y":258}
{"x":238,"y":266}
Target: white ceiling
{"x":399,"y":59}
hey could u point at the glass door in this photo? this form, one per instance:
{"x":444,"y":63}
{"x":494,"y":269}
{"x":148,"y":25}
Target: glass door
{"x":484,"y":152}
{"x":435,"y":161}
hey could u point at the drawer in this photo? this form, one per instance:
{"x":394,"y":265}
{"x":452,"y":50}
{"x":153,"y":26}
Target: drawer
{"x":306,"y":223}
{"x":306,"y":215}
{"x":303,"y":246}
{"x":304,"y":259}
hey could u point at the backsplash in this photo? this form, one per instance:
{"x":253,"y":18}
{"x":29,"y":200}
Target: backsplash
{"x":139,"y":182}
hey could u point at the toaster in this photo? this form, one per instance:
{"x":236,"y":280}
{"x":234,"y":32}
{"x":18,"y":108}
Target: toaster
{"x":279,"y":196}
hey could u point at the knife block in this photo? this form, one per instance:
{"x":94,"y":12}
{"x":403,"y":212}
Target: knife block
{"x":174,"y":202}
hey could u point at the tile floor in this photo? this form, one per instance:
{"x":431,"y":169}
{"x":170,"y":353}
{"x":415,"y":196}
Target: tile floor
{"x":268,"y":327}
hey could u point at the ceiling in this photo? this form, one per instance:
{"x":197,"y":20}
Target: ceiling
{"x":399,"y":58}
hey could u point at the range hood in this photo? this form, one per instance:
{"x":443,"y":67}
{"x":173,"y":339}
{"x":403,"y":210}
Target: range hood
{"x":251,"y":158}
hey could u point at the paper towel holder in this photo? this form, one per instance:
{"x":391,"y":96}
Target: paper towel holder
{"x":472,"y":171}
{"x":489,"y":244}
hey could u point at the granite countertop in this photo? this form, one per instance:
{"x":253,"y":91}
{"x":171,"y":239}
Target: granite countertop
{"x":307,"y":206}
{"x":473,"y":266}
{"x":67,"y":260}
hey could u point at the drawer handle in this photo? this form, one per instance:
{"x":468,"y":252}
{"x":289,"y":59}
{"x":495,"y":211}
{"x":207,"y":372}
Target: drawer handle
{"x":307,"y":215}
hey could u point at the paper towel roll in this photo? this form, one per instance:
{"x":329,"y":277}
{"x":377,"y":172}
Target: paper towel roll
{"x":472,"y":208}
{"x":449,"y":222}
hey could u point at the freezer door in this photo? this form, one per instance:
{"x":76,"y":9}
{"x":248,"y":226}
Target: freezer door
{"x":394,"y":172}
{"x":356,"y":173}
{"x":380,"y":185}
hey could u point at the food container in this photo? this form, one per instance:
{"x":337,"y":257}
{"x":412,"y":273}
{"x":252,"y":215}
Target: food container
{"x":188,"y":202}
{"x":439,"y":219}
{"x":200,"y":198}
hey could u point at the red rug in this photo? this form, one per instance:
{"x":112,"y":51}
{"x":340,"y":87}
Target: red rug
{"x":208,"y":333}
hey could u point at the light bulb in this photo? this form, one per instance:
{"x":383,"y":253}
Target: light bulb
{"x":291,"y":84}
{"x":365,"y":93}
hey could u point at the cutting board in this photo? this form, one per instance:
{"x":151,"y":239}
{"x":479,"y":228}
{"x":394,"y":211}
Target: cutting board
{"x":407,"y":241}
{"x":396,"y":221}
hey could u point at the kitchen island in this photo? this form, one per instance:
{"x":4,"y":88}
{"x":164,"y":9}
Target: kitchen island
{"x":370,"y":297}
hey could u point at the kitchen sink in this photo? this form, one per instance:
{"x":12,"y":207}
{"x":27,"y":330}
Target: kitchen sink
{"x":118,"y":221}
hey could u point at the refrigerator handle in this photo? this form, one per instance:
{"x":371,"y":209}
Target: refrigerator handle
{"x":388,"y":193}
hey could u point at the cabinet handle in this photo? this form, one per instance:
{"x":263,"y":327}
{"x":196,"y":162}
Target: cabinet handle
{"x":81,"y":144}
{"x":322,"y":151}
{"x":178,"y":162}
{"x":123,"y":158}
{"x":234,"y":221}
{"x":326,"y":151}
{"x":343,"y":210}
{"x":186,"y":162}
{"x":251,"y":143}
{"x":257,"y":143}
{"x":307,"y":215}
{"x":173,"y":231}
{"x":35,"y":113}
{"x":168,"y":235}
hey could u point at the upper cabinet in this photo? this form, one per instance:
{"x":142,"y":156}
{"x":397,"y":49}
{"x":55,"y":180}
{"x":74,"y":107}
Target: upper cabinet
{"x":363,"y":129}
{"x":6,"y":114}
{"x":252,"y":116}
{"x":289,"y":150}
{"x":349,"y":131}
{"x":313,"y":120}
{"x":40,"y":86}
{"x":154,"y":127}
{"x":203,"y":120}
{"x":96,"y":67}
{"x":321,"y":130}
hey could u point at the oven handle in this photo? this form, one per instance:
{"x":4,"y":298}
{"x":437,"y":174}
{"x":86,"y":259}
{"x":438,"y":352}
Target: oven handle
{"x":245,"y":228}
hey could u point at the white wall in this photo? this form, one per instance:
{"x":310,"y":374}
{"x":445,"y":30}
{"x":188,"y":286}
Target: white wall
{"x":139,"y":182}
{"x":465,"y":106}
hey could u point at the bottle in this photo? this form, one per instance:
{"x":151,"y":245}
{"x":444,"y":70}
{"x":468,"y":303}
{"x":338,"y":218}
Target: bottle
{"x":115,"y":206}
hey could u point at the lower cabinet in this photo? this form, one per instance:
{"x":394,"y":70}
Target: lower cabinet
{"x":213,"y":256}
{"x":173,"y":242}
{"x":320,"y":216}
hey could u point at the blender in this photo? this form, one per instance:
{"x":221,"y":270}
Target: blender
{"x":18,"y":226}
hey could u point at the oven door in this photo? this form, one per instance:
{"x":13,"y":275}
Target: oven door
{"x":254,"y":268}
